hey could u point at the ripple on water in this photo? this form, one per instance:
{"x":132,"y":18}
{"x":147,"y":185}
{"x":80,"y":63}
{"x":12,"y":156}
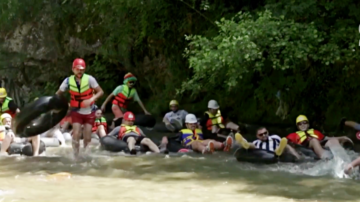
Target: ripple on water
{"x":176,"y":178}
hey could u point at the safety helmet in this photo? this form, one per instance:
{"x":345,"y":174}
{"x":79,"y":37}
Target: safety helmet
{"x":190,"y":118}
{"x":173,"y":102}
{"x":301,"y":118}
{"x":129,"y":116}
{"x":212,"y":104}
{"x":4,"y":116}
{"x":3,"y":93}
{"x":79,"y":63}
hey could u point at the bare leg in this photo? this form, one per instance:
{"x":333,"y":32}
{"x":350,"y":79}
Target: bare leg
{"x":6,"y":144}
{"x":35,"y":142}
{"x":316,"y":146}
{"x":87,"y":134}
{"x":101,"y":131}
{"x":152,"y":146}
{"x":293,"y":151}
{"x":164,"y":142}
{"x":131,"y":143}
{"x":76,"y":138}
{"x":352,"y":124}
{"x":217,"y":145}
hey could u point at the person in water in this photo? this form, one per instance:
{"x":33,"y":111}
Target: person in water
{"x":192,"y":138}
{"x":5,"y":120}
{"x":100,"y":124}
{"x":122,"y":95}
{"x":175,"y":119}
{"x":271,"y":143}
{"x":213,"y":123}
{"x":133,"y":135}
{"x":81,"y":87}
{"x":7,"y":104}
{"x":314,"y":139}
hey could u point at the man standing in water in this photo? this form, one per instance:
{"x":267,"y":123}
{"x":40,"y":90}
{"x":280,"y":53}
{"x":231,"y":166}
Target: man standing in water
{"x":81,"y":87}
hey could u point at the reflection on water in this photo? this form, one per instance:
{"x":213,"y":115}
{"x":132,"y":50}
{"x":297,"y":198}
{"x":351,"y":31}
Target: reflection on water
{"x":176,"y":178}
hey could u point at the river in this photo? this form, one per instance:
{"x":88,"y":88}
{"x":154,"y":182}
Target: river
{"x":175,"y":178}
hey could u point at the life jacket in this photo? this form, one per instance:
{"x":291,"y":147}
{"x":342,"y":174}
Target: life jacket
{"x":125,"y":129}
{"x":123,"y":98}
{"x":5,"y":107}
{"x":81,"y":93}
{"x":98,"y":122}
{"x":188,"y":136}
{"x":302,"y":136}
{"x":216,"y":120}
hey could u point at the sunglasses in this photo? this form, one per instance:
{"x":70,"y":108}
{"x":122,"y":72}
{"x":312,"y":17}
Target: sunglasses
{"x":262,"y":134}
{"x":132,"y":82}
{"x":303,"y":123}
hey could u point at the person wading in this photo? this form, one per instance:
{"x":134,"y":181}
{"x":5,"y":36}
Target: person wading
{"x":81,"y":87}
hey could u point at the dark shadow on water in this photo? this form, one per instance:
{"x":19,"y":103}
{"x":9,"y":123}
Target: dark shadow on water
{"x":217,"y":168}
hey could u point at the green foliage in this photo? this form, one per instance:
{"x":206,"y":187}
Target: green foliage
{"x":239,"y":52}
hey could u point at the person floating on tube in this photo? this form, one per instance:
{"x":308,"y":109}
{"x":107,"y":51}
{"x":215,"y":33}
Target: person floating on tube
{"x":84,"y":91}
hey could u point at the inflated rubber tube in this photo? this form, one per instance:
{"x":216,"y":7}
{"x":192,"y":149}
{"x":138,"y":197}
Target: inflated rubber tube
{"x":261,"y":156}
{"x":27,"y":150}
{"x":174,"y":146}
{"x":50,"y":141}
{"x":40,"y":115}
{"x":145,"y":120}
{"x":111,"y":144}
{"x":24,"y":149}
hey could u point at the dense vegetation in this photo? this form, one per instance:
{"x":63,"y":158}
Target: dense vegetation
{"x":265,"y":61}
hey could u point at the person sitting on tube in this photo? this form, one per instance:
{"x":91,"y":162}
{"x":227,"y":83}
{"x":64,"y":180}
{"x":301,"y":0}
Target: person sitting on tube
{"x":270,"y":143}
{"x":5,"y":120}
{"x":133,"y":135}
{"x":213,"y":123}
{"x":192,"y":138}
{"x":174,"y":120}
{"x":100,"y":125}
{"x":314,"y":139}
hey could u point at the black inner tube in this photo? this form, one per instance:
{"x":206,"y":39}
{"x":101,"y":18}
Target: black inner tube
{"x":112,"y":144}
{"x":40,"y":116}
{"x":262,"y":157}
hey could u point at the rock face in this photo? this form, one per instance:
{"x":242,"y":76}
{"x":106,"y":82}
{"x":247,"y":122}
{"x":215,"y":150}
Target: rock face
{"x":31,"y":51}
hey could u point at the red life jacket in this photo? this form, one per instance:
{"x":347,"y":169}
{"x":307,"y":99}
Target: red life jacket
{"x":81,"y":93}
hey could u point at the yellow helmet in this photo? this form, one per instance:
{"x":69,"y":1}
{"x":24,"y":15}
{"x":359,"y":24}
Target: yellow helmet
{"x":4,"y":116}
{"x":3,"y":93}
{"x":301,"y":118}
{"x":173,"y":102}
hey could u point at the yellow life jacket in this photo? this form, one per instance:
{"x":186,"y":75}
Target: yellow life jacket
{"x":302,"y":135}
{"x":214,"y":120}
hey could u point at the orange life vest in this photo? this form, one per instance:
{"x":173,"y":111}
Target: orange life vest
{"x":125,"y":129}
{"x":81,"y":93}
{"x":123,"y":98}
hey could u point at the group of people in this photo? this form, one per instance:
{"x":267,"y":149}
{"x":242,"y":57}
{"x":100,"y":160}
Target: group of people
{"x":205,"y":135}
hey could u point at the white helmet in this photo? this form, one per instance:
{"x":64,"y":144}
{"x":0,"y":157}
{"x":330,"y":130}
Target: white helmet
{"x":190,"y":118}
{"x":212,"y":104}
{"x":4,"y":116}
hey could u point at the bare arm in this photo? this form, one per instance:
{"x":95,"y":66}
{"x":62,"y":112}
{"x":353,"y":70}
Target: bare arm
{"x":142,"y":106}
{"x":98,"y":93}
{"x":110,"y":97}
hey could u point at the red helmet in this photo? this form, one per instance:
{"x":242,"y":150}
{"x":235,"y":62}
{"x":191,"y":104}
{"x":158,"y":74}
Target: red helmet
{"x":79,"y":63}
{"x":129,"y":116}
